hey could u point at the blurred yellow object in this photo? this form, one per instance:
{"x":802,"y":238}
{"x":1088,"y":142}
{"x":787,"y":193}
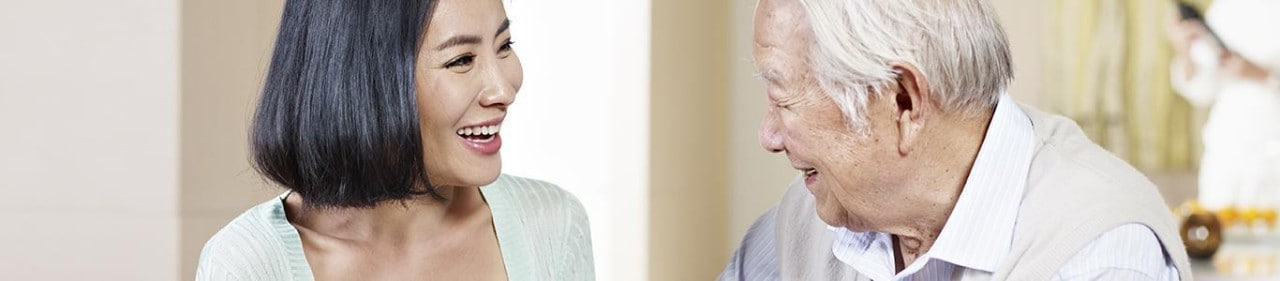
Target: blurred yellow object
{"x":1228,"y":215}
{"x":1268,"y":216}
{"x":1189,"y":207}
{"x":1249,"y":216}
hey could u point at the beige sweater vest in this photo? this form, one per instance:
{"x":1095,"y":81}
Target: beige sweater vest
{"x":1076,"y":191}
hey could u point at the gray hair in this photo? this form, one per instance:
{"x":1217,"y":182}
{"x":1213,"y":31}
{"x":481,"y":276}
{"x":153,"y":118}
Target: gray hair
{"x":958,"y":45}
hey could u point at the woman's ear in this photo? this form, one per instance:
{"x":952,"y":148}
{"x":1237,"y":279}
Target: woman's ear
{"x":911,"y":100}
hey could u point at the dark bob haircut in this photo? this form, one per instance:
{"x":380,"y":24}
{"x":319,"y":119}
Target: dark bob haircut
{"x":338,"y":120}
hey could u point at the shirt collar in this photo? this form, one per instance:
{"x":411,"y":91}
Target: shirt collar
{"x":979,"y":232}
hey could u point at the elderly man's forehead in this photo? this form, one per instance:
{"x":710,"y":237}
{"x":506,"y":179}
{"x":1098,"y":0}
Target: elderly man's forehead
{"x":780,"y":24}
{"x":779,"y":14}
{"x":781,"y":37}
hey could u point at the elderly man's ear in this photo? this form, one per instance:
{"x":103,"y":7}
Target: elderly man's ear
{"x":910,"y":95}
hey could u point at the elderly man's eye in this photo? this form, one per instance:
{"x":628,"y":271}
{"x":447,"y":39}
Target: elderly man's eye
{"x":783,"y":105}
{"x":786,"y":102}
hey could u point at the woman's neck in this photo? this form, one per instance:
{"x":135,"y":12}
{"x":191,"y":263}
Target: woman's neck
{"x":392,"y":221}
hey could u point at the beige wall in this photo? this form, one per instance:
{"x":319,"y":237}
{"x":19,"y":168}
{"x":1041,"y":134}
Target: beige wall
{"x":124,"y":143}
{"x":687,"y":152}
{"x":226,"y":46}
{"x":88,"y":140}
{"x":1026,"y":22}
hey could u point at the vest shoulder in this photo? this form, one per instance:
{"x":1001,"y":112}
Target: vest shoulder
{"x":1072,"y":179}
{"x":1075,"y":192}
{"x":1067,"y":161}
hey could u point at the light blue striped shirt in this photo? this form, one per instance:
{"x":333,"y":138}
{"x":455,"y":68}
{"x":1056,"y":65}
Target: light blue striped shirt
{"x":979,"y":232}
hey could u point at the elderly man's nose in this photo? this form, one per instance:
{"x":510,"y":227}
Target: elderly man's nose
{"x":770,"y":139}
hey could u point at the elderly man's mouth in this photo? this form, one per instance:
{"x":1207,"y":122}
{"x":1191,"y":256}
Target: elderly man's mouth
{"x":810,"y":175}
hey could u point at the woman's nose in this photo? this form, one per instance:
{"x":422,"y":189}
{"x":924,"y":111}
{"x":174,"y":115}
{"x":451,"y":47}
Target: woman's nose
{"x":498,"y":89}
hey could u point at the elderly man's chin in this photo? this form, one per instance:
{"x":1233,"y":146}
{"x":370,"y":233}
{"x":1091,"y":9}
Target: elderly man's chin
{"x":831,"y":214}
{"x":828,"y":208}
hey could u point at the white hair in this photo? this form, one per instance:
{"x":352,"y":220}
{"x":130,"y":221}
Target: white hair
{"x":957,"y":45}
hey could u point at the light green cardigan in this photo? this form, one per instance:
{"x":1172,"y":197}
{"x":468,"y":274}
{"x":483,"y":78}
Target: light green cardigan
{"x":542,"y":231}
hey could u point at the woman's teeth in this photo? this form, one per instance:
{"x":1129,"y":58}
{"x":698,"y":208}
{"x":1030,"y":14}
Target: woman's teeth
{"x":810,"y":171}
{"x":479,"y":131}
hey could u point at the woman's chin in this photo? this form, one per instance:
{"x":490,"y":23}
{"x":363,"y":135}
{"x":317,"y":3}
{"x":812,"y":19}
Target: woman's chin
{"x":466,"y":170}
{"x":487,"y":178}
{"x":483,"y":175}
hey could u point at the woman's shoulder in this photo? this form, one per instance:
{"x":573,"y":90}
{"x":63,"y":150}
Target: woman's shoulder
{"x":542,"y":224}
{"x":250,"y":246}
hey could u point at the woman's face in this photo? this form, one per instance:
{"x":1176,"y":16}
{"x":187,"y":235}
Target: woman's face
{"x":467,"y":75}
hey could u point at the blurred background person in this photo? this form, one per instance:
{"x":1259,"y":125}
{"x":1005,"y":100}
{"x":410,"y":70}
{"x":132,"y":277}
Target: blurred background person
{"x":1235,"y":71}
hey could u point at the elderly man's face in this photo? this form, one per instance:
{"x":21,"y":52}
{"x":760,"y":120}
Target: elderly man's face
{"x":840,"y":166}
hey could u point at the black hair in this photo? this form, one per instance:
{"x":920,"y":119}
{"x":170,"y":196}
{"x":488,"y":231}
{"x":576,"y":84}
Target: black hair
{"x":337,"y":122}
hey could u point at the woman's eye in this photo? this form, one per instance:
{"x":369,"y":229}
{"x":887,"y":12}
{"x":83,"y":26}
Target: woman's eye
{"x":460,"y":63}
{"x":506,"y":47}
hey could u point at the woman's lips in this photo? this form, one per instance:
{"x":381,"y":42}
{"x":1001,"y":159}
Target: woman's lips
{"x":483,"y":146}
{"x":484,"y":138}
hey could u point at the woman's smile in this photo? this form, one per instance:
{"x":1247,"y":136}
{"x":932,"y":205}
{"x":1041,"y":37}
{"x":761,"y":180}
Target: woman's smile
{"x":482,"y":138}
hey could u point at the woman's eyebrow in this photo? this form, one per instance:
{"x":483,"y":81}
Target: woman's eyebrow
{"x":506,"y":24}
{"x":458,"y":40}
{"x":471,"y":39}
